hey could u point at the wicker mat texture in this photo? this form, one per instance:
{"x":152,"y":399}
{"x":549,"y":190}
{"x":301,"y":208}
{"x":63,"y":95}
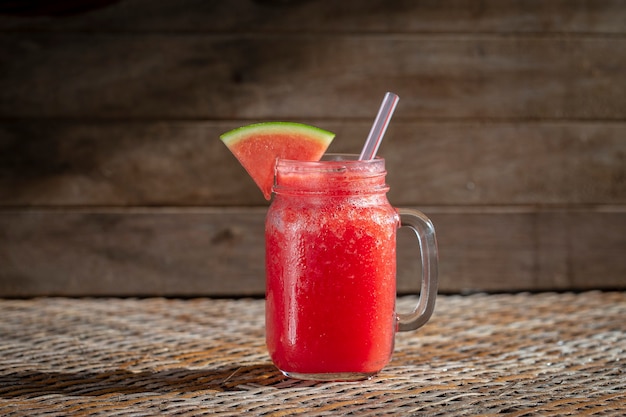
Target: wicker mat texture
{"x":518,"y":355}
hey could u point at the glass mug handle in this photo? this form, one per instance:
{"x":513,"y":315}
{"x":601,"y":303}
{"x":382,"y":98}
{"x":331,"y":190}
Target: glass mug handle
{"x":425,"y":232}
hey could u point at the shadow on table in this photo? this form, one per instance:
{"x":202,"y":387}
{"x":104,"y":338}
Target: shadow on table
{"x":121,"y":381}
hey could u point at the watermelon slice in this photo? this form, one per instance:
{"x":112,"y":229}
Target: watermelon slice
{"x":257,"y":146}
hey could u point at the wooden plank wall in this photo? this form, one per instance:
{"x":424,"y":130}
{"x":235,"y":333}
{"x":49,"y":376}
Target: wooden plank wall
{"x":510,"y":134}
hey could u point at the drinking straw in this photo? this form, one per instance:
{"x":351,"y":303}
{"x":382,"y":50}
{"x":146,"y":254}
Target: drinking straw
{"x":379,"y":127}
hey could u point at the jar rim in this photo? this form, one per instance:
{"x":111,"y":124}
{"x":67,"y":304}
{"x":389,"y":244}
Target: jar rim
{"x":334,"y":162}
{"x":344,"y":174}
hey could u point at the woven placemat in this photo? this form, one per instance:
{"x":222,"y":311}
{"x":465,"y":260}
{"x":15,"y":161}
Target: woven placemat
{"x":519,"y":355}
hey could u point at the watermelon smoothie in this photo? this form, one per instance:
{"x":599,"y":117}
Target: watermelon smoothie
{"x":331,"y":270}
{"x":330,"y":252}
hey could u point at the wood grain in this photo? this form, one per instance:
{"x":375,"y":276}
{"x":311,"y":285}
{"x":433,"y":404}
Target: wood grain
{"x":197,"y":76}
{"x":178,"y":164}
{"x":194,"y":252}
{"x":126,"y":252}
{"x":377,"y":16}
{"x":510,"y":133}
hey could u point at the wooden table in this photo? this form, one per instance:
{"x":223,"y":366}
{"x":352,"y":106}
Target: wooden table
{"x":521,"y":354}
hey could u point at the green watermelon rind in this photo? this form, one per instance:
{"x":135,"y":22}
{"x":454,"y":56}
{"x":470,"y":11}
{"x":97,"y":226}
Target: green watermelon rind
{"x":240,"y":133}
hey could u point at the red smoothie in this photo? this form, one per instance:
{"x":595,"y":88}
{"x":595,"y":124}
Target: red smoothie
{"x":331,"y":269}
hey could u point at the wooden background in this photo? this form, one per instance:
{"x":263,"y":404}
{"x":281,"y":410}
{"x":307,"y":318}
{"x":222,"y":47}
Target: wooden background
{"x":510,"y":134}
